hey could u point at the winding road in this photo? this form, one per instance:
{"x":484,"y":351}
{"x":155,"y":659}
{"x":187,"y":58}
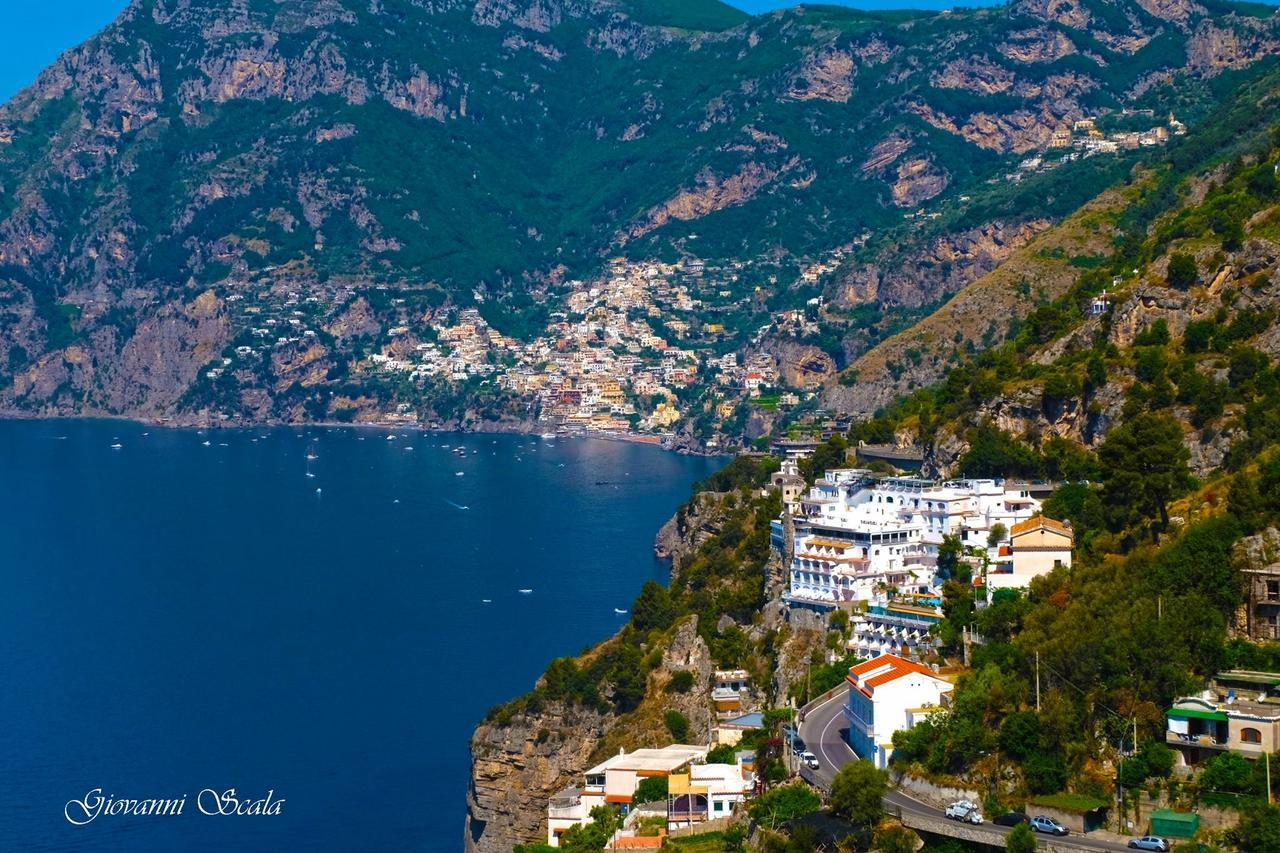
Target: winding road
{"x":823,"y":731}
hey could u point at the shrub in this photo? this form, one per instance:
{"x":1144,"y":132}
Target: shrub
{"x":650,"y":790}
{"x":678,"y":726}
{"x":681,"y":682}
{"x":1182,"y":271}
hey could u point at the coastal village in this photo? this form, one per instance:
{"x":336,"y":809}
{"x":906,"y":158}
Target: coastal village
{"x":636,"y":352}
{"x":622,"y":355}
{"x":874,"y":551}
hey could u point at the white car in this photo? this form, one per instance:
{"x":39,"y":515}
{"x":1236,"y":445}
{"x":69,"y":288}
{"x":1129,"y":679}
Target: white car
{"x":810,"y":760}
{"x":963,"y":810}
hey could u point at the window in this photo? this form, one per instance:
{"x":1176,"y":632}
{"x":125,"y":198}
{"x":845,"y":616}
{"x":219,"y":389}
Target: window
{"x":1250,"y":736}
{"x":1273,"y":589}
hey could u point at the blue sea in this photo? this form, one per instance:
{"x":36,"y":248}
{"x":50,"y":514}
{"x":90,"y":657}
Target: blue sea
{"x":320,"y":614}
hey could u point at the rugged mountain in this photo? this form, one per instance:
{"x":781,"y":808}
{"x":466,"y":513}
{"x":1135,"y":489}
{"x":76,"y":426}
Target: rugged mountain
{"x":1161,"y":295}
{"x":368,"y":162}
{"x":1123,"y":230}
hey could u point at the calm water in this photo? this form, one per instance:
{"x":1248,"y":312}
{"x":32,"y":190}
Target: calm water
{"x":177,"y":616}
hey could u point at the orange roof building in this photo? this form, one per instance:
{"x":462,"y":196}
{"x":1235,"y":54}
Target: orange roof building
{"x":887,"y":695}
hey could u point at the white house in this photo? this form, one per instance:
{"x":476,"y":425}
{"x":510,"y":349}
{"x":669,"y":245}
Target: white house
{"x":614,"y":781}
{"x":887,"y":695}
{"x":705,"y":792}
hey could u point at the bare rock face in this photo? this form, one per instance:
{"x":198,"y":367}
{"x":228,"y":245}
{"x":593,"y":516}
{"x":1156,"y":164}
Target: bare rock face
{"x":827,"y":76}
{"x":1260,"y":551}
{"x":943,"y":266}
{"x":918,"y":180}
{"x":1069,"y":13}
{"x":885,"y":152}
{"x":688,"y":529}
{"x":517,"y":765}
{"x":713,"y":192}
{"x":974,"y":74}
{"x":1177,"y":11}
{"x":1213,"y":48}
{"x":1038,"y":44}
{"x":802,"y":366}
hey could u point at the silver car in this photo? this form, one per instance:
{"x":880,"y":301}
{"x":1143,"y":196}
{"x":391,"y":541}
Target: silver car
{"x":1150,"y":842}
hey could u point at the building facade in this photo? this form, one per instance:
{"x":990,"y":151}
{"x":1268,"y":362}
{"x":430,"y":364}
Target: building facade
{"x":1038,"y":546}
{"x":856,"y":536}
{"x":899,"y":625}
{"x":887,"y":695}
{"x":1238,"y":712}
{"x":614,"y":781}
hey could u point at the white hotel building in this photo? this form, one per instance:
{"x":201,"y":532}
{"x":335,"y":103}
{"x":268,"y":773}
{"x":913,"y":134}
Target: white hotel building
{"x":855,"y":535}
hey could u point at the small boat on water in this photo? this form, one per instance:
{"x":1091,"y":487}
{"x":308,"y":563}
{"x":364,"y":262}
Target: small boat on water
{"x":310,"y":476}
{"x":116,"y":446}
{"x":486,"y":601}
{"x":206,"y":443}
{"x":459,"y":473}
{"x":618,"y":610}
{"x":526,"y":592}
{"x":312,"y":456}
{"x":548,"y":435}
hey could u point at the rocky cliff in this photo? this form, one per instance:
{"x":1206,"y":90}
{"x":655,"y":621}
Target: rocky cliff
{"x":520,"y":760}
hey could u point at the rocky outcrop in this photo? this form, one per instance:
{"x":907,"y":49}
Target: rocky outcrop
{"x":517,"y":764}
{"x":1213,"y":48}
{"x":1036,"y":45}
{"x":827,"y":76}
{"x":711,"y":192}
{"x":686,"y":531}
{"x":974,"y":74}
{"x":944,"y":265}
{"x":918,"y":180}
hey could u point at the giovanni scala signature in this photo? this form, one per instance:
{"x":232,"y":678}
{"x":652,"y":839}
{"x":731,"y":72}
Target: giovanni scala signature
{"x":208,"y":802}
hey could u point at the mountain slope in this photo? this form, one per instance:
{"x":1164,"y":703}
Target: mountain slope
{"x":483,"y":152}
{"x":1107,"y":233}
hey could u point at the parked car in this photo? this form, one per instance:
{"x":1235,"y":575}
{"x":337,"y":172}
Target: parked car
{"x":1011,"y":819}
{"x":1150,"y":842}
{"x":963,"y":810}
{"x":810,"y":760}
{"x":1040,"y":823}
{"x":798,"y":745}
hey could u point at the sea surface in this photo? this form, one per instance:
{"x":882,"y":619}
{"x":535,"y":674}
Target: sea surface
{"x":186,"y":610}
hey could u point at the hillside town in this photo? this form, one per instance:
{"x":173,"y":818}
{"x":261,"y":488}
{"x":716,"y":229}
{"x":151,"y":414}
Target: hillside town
{"x":634,"y":352}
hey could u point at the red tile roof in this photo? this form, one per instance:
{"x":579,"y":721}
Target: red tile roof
{"x":886,"y":668}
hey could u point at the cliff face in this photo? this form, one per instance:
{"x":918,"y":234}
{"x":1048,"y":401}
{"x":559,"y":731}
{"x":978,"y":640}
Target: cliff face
{"x":518,"y":765}
{"x":520,"y":761}
{"x":1247,"y":280}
